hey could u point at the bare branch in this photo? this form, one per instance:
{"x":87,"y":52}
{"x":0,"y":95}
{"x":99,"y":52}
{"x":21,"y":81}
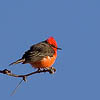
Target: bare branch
{"x":51,"y":70}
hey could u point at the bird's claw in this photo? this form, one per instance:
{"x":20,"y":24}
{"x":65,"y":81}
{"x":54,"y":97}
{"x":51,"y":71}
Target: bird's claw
{"x":52,"y":70}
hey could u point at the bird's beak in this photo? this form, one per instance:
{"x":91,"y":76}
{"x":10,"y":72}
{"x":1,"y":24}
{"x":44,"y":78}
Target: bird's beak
{"x":59,"y":48}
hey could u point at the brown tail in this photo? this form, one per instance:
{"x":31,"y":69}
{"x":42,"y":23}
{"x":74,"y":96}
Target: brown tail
{"x":18,"y":61}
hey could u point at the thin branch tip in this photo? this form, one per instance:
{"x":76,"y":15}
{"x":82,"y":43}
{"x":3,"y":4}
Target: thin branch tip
{"x":51,"y":70}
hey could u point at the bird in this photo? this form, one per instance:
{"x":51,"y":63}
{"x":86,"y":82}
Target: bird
{"x":41,"y":55}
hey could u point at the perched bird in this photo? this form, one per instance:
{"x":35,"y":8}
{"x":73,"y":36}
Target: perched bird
{"x":40,"y":55}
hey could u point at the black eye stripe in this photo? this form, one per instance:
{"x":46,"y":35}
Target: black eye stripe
{"x":52,"y":45}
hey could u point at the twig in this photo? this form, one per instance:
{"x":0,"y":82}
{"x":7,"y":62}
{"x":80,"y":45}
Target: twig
{"x":13,"y":92}
{"x":51,"y":70}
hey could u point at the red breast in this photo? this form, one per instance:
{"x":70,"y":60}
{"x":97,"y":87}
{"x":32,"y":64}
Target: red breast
{"x":45,"y":62}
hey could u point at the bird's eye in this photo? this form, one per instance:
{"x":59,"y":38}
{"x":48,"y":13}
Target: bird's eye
{"x":53,"y":46}
{"x":56,"y":47}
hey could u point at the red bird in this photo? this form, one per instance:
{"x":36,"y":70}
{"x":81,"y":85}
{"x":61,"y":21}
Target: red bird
{"x":41,"y":55}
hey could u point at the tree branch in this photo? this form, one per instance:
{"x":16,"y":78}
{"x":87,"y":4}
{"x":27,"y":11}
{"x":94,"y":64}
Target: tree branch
{"x":51,"y":70}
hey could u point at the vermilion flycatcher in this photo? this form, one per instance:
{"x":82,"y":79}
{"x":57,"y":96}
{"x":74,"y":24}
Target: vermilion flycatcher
{"x":41,"y":55}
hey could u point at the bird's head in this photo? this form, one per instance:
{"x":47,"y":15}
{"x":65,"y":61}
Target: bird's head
{"x":53,"y":43}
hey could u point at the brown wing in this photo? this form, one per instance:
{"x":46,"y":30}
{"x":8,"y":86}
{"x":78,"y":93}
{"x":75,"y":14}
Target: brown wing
{"x":37,"y":52}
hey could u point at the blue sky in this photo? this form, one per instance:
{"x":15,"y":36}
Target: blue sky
{"x":75,"y":24}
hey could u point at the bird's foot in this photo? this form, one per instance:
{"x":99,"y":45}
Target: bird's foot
{"x":39,"y":69}
{"x":51,"y":70}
